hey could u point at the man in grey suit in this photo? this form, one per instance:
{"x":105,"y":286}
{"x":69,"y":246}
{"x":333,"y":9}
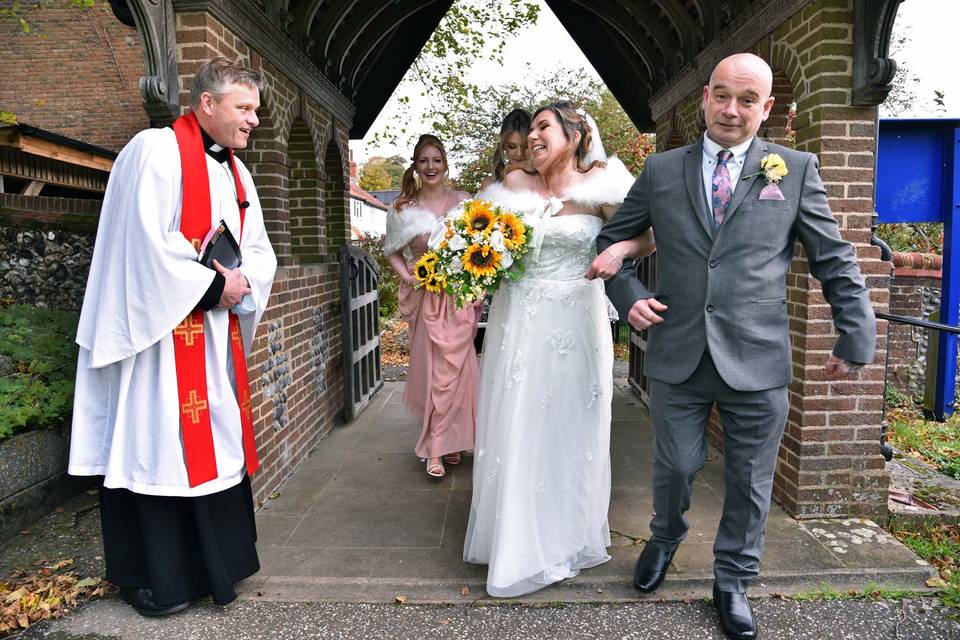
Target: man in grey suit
{"x":718,"y":325}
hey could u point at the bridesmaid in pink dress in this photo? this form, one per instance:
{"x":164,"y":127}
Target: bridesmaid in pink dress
{"x":443,"y":374}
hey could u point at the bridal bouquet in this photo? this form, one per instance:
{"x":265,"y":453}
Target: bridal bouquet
{"x":477,"y":245}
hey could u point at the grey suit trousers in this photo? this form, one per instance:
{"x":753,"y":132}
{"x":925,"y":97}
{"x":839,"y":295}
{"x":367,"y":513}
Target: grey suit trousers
{"x":753,"y":424}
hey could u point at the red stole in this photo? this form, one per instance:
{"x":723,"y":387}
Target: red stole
{"x":188,"y":340}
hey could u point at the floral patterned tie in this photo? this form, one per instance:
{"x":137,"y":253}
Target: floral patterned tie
{"x":722,"y":187}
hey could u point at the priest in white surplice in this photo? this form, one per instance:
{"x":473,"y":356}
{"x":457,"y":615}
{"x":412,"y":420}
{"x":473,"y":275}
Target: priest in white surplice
{"x":162,"y":408}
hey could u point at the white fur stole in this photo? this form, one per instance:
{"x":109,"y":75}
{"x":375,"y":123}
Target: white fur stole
{"x":405,"y":225}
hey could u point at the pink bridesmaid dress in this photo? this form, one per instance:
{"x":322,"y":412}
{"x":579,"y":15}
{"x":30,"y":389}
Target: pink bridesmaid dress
{"x":444,"y":373}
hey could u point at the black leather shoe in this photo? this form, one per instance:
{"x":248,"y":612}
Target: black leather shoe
{"x":651,"y":568}
{"x":736,"y":614}
{"x":142,"y":601}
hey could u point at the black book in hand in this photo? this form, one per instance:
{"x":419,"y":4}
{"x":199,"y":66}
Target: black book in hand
{"x":220,"y":245}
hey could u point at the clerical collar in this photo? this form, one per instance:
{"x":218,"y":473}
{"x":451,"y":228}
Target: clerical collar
{"x":215,"y":151}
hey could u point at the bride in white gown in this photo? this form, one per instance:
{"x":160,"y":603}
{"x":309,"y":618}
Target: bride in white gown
{"x":541,"y":474}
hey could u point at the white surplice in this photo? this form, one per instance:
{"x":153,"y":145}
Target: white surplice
{"x":541,"y":469}
{"x":144,"y":280}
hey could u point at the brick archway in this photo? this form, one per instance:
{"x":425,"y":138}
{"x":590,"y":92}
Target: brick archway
{"x":335,"y":189}
{"x":304,"y":195}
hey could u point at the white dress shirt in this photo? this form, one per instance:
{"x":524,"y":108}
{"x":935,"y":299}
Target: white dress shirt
{"x":734,"y":165}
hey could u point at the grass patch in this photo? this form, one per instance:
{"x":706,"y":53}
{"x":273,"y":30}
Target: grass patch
{"x":938,"y":544}
{"x":871,"y":591}
{"x":935,"y":443}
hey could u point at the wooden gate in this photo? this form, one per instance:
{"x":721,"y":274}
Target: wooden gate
{"x":359,"y":277}
{"x":647,"y":273}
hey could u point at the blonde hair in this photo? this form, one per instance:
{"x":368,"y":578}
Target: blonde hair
{"x":409,"y":188}
{"x":571,"y":121}
{"x":517,"y":120}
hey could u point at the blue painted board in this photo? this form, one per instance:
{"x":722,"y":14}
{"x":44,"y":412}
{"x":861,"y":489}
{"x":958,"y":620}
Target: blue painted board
{"x":912,"y":155}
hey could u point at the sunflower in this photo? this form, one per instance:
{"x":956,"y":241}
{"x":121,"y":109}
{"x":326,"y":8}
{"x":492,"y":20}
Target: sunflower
{"x":480,"y":260}
{"x":435,"y":283}
{"x":425,"y":266}
{"x":479,"y":217}
{"x":514,"y":231}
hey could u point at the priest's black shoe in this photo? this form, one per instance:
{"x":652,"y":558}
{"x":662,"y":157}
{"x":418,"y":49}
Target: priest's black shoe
{"x":736,"y":615}
{"x":651,"y":568}
{"x":142,"y":601}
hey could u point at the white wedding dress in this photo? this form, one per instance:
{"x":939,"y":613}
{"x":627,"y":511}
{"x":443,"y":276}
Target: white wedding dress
{"x":541,"y":470}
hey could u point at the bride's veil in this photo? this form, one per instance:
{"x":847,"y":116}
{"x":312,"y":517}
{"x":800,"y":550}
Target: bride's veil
{"x":595,"y":151}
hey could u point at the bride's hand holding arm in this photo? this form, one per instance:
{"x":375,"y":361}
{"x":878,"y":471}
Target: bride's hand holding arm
{"x":608,"y":263}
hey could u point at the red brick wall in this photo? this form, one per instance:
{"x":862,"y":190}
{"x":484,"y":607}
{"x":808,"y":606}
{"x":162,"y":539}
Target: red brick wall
{"x":77,"y":74}
{"x":298,"y":158}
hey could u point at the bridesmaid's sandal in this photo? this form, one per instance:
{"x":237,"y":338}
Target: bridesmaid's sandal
{"x":435,"y":469}
{"x":452,"y":458}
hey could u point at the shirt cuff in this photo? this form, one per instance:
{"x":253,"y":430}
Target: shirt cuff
{"x":211,"y":298}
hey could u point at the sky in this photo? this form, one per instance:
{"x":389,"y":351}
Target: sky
{"x":932,"y":54}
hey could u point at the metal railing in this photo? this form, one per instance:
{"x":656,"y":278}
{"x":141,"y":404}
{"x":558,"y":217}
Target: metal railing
{"x":885,"y":449}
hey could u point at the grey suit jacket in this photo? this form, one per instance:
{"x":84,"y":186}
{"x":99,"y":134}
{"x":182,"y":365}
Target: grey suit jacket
{"x":727,"y":285}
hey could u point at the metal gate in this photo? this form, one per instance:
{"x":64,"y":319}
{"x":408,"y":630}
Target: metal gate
{"x":360,"y":301}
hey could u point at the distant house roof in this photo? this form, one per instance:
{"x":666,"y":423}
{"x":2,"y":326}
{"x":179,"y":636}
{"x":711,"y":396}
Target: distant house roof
{"x":388,"y":196}
{"x":360,"y":194}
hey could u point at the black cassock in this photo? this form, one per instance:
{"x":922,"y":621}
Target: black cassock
{"x":180,"y":548}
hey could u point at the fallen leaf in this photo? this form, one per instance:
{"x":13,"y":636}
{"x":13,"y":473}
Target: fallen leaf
{"x":87,"y":582}
{"x":936,"y":583}
{"x":400,"y":599}
{"x":275,"y":495}
{"x":465,"y":591}
{"x":446,"y":621}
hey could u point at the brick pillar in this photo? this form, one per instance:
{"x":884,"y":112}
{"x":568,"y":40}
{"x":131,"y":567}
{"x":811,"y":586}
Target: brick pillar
{"x":830,"y":462}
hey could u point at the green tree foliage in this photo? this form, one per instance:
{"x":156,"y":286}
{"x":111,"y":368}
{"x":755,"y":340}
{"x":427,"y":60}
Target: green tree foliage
{"x":918,"y":237}
{"x":38,"y":359}
{"x":379,"y":174}
{"x":470,"y":30}
{"x":373,"y":177}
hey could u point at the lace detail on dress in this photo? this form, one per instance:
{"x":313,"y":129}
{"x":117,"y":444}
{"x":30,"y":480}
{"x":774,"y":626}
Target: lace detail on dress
{"x":518,"y":368}
{"x":562,"y":341}
{"x":595,"y":393}
{"x":547,"y":398}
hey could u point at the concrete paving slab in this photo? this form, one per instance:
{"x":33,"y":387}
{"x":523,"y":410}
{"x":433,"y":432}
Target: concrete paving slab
{"x":360,"y":522}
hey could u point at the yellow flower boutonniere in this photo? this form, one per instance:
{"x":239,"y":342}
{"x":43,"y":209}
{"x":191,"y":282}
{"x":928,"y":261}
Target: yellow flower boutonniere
{"x":773,"y":168}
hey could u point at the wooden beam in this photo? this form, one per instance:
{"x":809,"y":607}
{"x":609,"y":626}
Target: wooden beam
{"x":47,"y":149}
{"x":33,"y":188}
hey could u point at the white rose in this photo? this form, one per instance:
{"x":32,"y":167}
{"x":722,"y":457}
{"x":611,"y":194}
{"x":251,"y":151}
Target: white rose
{"x":456,"y":266}
{"x":506,"y":260}
{"x":496,"y":241}
{"x":457,"y":243}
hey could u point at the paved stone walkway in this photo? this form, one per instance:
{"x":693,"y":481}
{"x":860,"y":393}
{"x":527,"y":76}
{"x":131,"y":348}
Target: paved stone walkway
{"x":359,"y":522}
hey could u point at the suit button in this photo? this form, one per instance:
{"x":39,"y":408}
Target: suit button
{"x":709,"y":308}
{"x":713,"y":263}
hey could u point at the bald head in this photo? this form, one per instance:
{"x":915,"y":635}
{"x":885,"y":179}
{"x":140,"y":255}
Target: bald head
{"x":738,"y":99}
{"x":745,"y":66}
